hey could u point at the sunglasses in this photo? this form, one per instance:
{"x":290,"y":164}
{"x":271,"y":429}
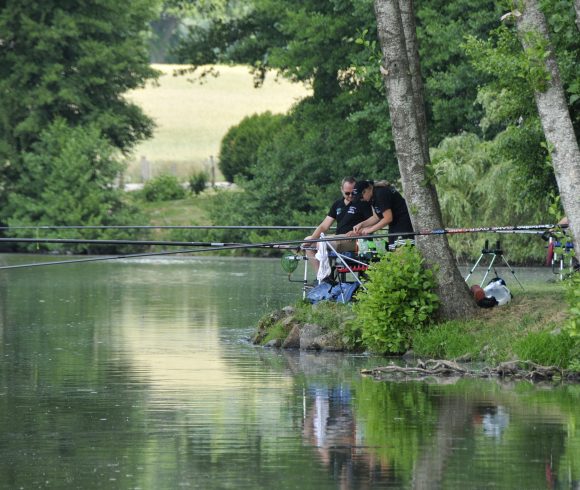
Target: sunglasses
{"x":347,"y":193}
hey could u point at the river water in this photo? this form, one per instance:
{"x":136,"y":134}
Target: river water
{"x":138,"y":374}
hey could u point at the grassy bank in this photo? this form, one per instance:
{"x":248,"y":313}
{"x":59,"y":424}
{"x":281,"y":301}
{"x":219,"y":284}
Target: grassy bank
{"x":193,"y":210}
{"x":529,"y":328}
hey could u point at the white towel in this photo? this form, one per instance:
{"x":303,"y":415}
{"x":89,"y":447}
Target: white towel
{"x":322,"y":257}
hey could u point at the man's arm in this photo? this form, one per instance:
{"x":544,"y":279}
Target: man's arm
{"x":321,"y":228}
{"x":365,"y":224}
{"x":369,"y":228}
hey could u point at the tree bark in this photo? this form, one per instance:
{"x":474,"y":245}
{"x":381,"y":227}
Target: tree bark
{"x":410,"y":32}
{"x":554,"y":115}
{"x":409,"y":133}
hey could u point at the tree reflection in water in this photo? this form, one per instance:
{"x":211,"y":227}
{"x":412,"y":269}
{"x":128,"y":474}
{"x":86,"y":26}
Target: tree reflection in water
{"x":438,"y":434}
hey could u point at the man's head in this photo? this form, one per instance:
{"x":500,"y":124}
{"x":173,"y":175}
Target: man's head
{"x":347,"y":187}
{"x":363,"y":190}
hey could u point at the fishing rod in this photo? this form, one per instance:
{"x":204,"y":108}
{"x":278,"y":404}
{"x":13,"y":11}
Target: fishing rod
{"x":491,"y":229}
{"x":115,"y":242}
{"x":497,"y":229}
{"x":277,"y":245}
{"x":448,"y":231}
{"x":157,"y":227}
{"x":289,"y":243}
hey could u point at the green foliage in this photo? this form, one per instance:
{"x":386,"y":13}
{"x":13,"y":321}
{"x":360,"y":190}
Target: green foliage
{"x":298,"y":170}
{"x":270,"y":35}
{"x":164,"y":187}
{"x":198,"y":182}
{"x":240,"y":146}
{"x":398,"y":302}
{"x":69,"y":182}
{"x":477,"y":186}
{"x":507,"y":96}
{"x":328,"y":314}
{"x":73,"y":62}
{"x":450,"y":82}
{"x":449,"y":340}
{"x":546,"y":348}
{"x":572,"y":324}
{"x":277,"y":331}
{"x":68,"y":61}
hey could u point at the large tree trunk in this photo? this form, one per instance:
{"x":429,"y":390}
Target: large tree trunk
{"x":411,"y":44}
{"x":551,"y":101}
{"x":408,"y":125}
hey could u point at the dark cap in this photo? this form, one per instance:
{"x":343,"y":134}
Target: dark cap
{"x":359,"y":187}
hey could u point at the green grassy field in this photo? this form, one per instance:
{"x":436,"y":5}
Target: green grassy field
{"x":192,"y":118}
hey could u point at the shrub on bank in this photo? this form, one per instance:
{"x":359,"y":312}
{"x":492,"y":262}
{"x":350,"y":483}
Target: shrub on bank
{"x":399,"y":301}
{"x":198,"y":182}
{"x":164,"y":187}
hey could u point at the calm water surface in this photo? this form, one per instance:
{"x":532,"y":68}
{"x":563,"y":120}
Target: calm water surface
{"x":137,"y":374}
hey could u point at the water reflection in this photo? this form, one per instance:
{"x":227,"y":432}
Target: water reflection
{"x":330,"y":426}
{"x":137,"y":375}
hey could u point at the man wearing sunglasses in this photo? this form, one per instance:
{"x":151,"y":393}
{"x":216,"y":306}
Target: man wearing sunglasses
{"x":347,"y":214}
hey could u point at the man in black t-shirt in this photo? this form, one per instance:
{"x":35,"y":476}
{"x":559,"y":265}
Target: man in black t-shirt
{"x":347,"y":214}
{"x":389,"y":208}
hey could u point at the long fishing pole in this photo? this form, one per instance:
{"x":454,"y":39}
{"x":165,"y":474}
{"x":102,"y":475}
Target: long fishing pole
{"x":447,"y":231}
{"x":280,"y":245}
{"x":286,"y":244}
{"x":116,"y":242}
{"x":157,"y":227}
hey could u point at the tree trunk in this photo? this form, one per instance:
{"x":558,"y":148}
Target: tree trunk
{"x":453,"y":421}
{"x":410,"y":32}
{"x":553,"y":110}
{"x":577,"y":7}
{"x":413,"y":155}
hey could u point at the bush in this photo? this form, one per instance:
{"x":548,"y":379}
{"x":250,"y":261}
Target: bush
{"x":165,"y":187}
{"x":239,"y":147}
{"x":198,"y":182}
{"x":399,"y":301}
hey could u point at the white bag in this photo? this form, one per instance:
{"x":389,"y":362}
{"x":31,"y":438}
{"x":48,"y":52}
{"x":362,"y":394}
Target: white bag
{"x":497,"y":289}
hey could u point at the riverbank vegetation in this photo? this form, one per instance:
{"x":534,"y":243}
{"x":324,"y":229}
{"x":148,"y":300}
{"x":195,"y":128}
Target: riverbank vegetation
{"x":538,"y":325}
{"x":396,"y":314}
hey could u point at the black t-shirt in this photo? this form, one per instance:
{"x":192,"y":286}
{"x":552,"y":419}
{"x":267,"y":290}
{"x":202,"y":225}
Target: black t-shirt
{"x":349,"y":215}
{"x":389,"y":198}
